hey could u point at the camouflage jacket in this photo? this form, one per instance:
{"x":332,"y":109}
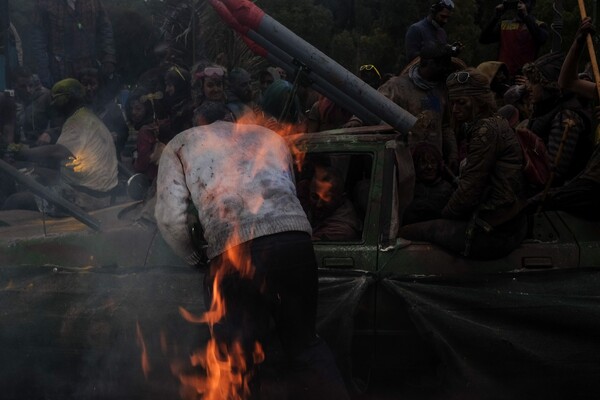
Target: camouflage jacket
{"x":492,"y":177}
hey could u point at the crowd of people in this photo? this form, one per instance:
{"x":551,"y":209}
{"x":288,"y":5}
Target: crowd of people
{"x":70,"y":86}
{"x":473,"y":191}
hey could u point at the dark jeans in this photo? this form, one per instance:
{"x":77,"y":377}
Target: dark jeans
{"x":284,"y":290}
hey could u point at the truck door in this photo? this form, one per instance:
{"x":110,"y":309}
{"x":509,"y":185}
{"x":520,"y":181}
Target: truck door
{"x":358,"y":170}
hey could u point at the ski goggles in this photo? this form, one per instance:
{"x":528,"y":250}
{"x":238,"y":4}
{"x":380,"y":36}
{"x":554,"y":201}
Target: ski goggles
{"x":211,"y":72}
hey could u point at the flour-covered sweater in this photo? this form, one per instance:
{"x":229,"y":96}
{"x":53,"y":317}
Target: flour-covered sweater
{"x":240,"y":179}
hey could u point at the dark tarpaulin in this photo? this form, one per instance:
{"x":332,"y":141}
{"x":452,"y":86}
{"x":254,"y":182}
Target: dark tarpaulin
{"x":339,"y":297}
{"x":511,"y":336}
{"x":70,"y":333}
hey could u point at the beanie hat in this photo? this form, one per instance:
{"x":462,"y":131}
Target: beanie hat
{"x":491,"y":69}
{"x":468,"y":82}
{"x":545,"y":70}
{"x":65,"y":90}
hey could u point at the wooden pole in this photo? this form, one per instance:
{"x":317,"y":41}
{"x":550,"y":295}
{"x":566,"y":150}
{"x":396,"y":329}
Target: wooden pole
{"x":592,"y":52}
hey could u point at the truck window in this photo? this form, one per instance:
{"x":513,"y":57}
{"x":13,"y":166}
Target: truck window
{"x":333,"y":189}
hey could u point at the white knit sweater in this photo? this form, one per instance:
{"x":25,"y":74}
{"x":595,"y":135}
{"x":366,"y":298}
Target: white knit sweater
{"x":240,"y":179}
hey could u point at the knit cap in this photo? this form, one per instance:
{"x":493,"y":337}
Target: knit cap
{"x":545,"y":70}
{"x":468,"y":82}
{"x":67,"y":89}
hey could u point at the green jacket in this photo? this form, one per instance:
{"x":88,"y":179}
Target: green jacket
{"x":492,"y":178}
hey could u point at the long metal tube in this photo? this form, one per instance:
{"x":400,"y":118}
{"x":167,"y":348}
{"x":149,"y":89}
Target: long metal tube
{"x":52,"y":197}
{"x":264,"y":48}
{"x":250,"y":17}
{"x":280,"y":58}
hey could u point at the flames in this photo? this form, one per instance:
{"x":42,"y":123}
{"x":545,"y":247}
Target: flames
{"x":323,"y":187}
{"x":224,"y":369}
{"x":76,"y":164}
{"x":145,"y":362}
{"x":228,"y":374}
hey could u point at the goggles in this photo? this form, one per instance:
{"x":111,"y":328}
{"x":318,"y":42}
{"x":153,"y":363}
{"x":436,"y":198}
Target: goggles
{"x":370,"y":67}
{"x":461,"y":77}
{"x":211,"y":72}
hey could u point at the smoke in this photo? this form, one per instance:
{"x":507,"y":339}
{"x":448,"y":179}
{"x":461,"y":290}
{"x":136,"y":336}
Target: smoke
{"x":71,"y":333}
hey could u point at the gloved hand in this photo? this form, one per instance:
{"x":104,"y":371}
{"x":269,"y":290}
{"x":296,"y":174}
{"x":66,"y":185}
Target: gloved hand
{"x":585,"y":28}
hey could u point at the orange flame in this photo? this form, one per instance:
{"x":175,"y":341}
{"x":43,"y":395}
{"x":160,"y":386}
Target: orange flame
{"x":146,"y":368}
{"x":228,"y":374}
{"x":323,"y":185}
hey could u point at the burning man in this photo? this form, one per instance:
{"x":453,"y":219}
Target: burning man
{"x":262,"y":264}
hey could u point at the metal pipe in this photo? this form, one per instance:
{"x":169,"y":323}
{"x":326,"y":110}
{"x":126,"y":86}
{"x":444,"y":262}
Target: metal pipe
{"x":250,"y":17}
{"x":52,"y":197}
{"x":280,"y":58}
{"x":264,"y":48}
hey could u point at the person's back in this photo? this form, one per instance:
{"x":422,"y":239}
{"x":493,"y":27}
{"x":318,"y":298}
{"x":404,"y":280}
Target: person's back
{"x":229,"y":159}
{"x":262,"y":263}
{"x":95,"y":159}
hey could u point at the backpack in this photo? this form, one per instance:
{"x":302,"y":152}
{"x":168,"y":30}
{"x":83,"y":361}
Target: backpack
{"x":536,"y":161}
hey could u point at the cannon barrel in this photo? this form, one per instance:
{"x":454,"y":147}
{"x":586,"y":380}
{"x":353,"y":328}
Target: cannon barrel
{"x":252,"y":22}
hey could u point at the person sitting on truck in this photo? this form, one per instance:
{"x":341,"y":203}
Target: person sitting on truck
{"x":332,"y":214}
{"x":581,"y":195}
{"x":483,"y":217}
{"x":422,"y":93}
{"x":431,"y":191}
{"x":570,"y":147}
